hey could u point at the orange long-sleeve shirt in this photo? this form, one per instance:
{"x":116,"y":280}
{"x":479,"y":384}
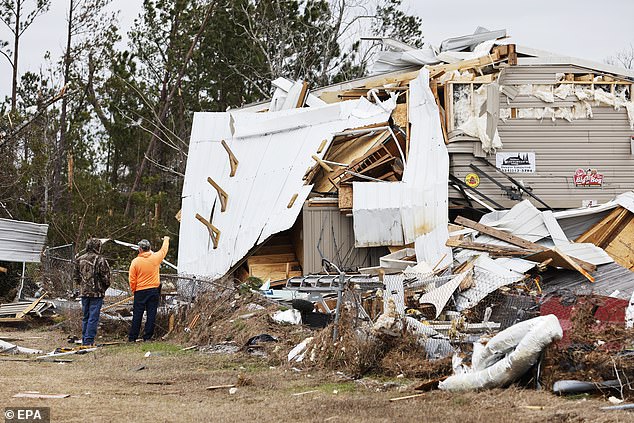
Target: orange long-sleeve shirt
{"x":144,"y":269}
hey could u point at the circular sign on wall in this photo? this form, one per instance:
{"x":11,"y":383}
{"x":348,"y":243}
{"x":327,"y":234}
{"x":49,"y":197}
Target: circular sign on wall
{"x":472,"y":180}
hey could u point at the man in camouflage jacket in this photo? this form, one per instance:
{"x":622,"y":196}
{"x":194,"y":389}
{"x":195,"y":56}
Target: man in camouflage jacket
{"x":92,"y":274}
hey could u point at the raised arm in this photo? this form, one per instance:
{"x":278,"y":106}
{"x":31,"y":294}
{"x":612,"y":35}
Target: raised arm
{"x":160,"y":254}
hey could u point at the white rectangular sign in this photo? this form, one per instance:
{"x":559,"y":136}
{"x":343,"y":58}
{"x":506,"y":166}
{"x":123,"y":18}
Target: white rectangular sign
{"x":515,"y":162}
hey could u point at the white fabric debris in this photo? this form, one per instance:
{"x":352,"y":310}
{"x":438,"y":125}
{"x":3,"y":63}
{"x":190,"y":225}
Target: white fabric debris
{"x":564,"y":113}
{"x":527,"y":113}
{"x":525,"y":89}
{"x":291,"y":316}
{"x":527,"y":340}
{"x":544,"y":93}
{"x":7,"y":347}
{"x":477,"y":127}
{"x":563,"y":91}
{"x":297,"y":353}
{"x":390,"y":322}
{"x":505,"y":114}
{"x":583,"y":93}
{"x":605,"y":98}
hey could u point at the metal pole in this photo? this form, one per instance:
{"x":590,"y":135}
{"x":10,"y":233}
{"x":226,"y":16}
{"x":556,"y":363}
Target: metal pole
{"x":335,"y":331}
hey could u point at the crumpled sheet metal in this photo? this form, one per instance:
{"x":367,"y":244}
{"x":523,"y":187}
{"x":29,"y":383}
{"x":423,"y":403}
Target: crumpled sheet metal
{"x":525,"y":341}
{"x":439,"y":296}
{"x":488,"y":276}
{"x":274,"y":149}
{"x":423,"y":192}
{"x":436,"y":345}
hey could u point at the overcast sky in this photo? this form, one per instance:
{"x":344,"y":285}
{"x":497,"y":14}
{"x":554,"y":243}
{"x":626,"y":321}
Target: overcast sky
{"x":582,"y":28}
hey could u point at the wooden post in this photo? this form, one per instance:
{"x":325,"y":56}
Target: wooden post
{"x":214,"y":232}
{"x":224,"y":197}
{"x":233,"y":161}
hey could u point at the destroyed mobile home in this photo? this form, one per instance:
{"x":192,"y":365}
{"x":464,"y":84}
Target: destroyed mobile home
{"x":339,"y":200}
{"x":342,"y":195}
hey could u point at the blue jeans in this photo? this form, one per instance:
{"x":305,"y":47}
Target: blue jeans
{"x":145,"y":300}
{"x":91,"y":306}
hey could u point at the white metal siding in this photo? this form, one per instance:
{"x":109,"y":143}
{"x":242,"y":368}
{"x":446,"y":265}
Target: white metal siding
{"x":337,"y":241}
{"x":561,"y":147}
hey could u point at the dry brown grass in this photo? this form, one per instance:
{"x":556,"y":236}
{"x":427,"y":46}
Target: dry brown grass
{"x":105,"y":386}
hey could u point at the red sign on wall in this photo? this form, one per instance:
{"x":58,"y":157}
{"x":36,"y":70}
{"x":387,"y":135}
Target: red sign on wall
{"x":588,"y":178}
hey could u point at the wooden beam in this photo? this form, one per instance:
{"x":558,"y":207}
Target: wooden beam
{"x":496,"y":233}
{"x":31,"y":306}
{"x":321,"y":163}
{"x":118,"y":303}
{"x":560,"y":259}
{"x":321,"y":146}
{"x":512,"y":55}
{"x":290,"y":203}
{"x":593,"y":233}
{"x":302,"y":95}
{"x":224,"y":197}
{"x":515,"y":240}
{"x":233,"y":161}
{"x":464,"y":64}
{"x":214,"y":232}
{"x":495,"y":250}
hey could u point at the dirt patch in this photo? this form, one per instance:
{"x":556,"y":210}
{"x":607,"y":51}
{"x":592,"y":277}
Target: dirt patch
{"x":171,"y":386}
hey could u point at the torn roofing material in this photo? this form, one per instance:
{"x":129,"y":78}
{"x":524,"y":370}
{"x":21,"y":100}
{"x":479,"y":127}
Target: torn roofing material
{"x":21,"y":241}
{"x":420,"y":200}
{"x":273,"y":151}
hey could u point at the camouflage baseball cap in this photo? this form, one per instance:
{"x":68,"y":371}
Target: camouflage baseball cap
{"x":144,"y":244}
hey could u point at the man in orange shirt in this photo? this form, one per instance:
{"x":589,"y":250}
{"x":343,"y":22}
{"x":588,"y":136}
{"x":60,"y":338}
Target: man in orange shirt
{"x":145,"y":285}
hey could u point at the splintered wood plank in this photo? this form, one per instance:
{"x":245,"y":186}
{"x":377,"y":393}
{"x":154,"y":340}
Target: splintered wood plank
{"x":345,"y":196}
{"x":558,"y":258}
{"x":495,"y":250}
{"x":399,"y":115}
{"x":501,"y":235}
{"x":591,"y":234}
{"x":292,"y":201}
{"x":302,"y":95}
{"x":321,"y":163}
{"x":621,"y":248}
{"x":520,"y":242}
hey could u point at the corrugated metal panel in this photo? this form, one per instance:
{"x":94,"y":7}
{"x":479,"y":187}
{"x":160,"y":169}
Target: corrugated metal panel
{"x":332,"y":231}
{"x":561,"y":147}
{"x":376,"y":207}
{"x":608,"y":279}
{"x":425,"y":201}
{"x":21,"y":241}
{"x":523,"y":220}
{"x":537,"y":74}
{"x":274,"y":150}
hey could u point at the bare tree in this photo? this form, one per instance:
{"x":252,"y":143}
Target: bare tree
{"x":18,"y":17}
{"x":624,"y":57}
